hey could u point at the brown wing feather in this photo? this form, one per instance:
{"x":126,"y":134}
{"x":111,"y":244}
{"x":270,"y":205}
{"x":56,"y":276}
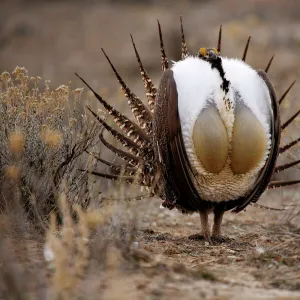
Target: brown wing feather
{"x":170,"y":151}
{"x":189,"y":197}
{"x":160,"y":137}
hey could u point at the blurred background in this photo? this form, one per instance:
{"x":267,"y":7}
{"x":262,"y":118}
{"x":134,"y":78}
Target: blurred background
{"x":54,"y":39}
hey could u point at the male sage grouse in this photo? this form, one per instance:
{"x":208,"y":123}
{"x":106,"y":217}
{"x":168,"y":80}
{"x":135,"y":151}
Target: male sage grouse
{"x":209,"y":138}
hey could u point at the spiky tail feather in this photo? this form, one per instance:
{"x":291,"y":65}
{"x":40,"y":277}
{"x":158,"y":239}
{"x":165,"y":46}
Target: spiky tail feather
{"x":184,"y":50}
{"x":246,"y":49}
{"x":278,"y":184}
{"x":219,"y":46}
{"x":286,"y":166}
{"x":164,"y":59}
{"x":266,"y":207}
{"x":116,"y":169}
{"x":290,"y":120}
{"x":129,"y":158}
{"x":151,"y":90}
{"x":131,"y":129}
{"x":269,"y":64}
{"x":126,"y":179}
{"x":286,"y":92}
{"x":139,"y":110}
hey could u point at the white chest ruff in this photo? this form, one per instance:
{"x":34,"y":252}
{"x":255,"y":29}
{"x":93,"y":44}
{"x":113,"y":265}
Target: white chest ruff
{"x":198,"y":85}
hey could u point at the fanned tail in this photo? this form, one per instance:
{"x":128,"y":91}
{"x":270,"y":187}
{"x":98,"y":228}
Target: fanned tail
{"x":140,"y":166}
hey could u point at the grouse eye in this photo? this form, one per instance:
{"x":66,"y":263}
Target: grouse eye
{"x":212,"y":55}
{"x":211,"y":140}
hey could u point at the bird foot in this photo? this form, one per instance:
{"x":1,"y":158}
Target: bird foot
{"x":220,"y":239}
{"x":201,"y":237}
{"x":213,"y":240}
{"x":196,"y":237}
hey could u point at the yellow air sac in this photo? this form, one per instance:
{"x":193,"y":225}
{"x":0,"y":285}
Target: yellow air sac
{"x":211,"y":140}
{"x":249,"y":141}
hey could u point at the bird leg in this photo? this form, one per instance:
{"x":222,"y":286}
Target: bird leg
{"x":216,"y":231}
{"x":218,"y":216}
{"x":205,"y":226}
{"x":205,"y":231}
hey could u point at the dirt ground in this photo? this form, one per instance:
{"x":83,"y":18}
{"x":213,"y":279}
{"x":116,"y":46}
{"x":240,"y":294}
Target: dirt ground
{"x":54,"y":39}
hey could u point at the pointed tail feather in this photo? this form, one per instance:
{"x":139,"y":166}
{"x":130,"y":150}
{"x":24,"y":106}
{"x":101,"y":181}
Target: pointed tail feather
{"x":278,"y":184}
{"x":269,"y":64}
{"x":290,"y":120}
{"x":184,"y":50}
{"x":288,"y":146}
{"x":137,"y":198}
{"x":116,"y":169}
{"x":246,"y":49}
{"x":286,"y":92}
{"x":126,"y":179}
{"x":139,"y":110}
{"x":286,"y":166}
{"x":267,"y":207}
{"x":126,"y":142}
{"x":130,"y":128}
{"x":219,"y":40}
{"x":149,"y":86}
{"x":164,"y":59}
{"x":121,"y":171}
{"x":129,"y":158}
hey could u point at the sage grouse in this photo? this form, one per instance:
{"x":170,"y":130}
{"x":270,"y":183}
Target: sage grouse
{"x":209,"y":138}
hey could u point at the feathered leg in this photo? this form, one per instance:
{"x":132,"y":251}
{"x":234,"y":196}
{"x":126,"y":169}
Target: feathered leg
{"x":216,"y":231}
{"x":205,"y":230}
{"x":218,"y":217}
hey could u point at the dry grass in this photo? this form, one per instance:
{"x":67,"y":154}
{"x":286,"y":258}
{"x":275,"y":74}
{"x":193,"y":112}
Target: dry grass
{"x":43,"y":133}
{"x":92,"y":251}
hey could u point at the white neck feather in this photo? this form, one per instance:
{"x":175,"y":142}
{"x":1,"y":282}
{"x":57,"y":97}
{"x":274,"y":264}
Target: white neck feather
{"x":198,"y":85}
